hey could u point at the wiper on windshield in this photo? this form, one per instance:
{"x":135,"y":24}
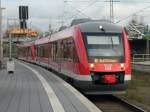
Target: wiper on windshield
{"x":112,"y":43}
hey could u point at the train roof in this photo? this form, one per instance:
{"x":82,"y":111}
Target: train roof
{"x":79,"y":21}
{"x":95,"y":27}
{"x":99,"y":27}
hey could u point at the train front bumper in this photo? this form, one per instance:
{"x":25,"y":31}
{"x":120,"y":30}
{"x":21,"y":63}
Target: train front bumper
{"x":88,"y":87}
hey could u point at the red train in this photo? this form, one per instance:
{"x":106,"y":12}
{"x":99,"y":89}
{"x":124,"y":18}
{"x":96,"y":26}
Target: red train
{"x":94,"y":56}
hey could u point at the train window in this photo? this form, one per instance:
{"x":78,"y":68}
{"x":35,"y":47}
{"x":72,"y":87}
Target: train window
{"x":37,"y":51}
{"x":45,"y":51}
{"x":21,"y":52}
{"x":63,"y":50}
{"x":59,"y":53}
{"x":29,"y":54}
{"x":40,"y":51}
{"x":68,"y":49}
{"x":54,"y":50}
{"x":50,"y":50}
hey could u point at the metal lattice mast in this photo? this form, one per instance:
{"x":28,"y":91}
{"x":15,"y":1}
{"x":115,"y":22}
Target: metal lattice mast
{"x":1,"y":37}
{"x":111,"y":11}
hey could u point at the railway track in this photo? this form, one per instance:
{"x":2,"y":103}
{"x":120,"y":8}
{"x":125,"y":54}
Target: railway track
{"x":109,"y":103}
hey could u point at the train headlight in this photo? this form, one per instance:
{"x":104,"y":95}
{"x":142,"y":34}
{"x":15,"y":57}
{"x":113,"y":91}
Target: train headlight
{"x":92,"y":65}
{"x":122,"y":66}
{"x":100,"y":27}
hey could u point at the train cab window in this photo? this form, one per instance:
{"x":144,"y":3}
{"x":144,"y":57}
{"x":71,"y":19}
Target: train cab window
{"x":104,"y":47}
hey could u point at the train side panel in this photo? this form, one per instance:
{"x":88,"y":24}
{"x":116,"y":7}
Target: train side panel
{"x":66,"y":53}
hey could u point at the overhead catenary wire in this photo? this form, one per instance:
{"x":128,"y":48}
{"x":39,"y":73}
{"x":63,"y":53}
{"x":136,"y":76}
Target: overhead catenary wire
{"x":95,"y":1}
{"x":118,"y":1}
{"x":111,"y":11}
{"x":79,"y":12}
{"x":141,"y":10}
{"x":91,"y":4}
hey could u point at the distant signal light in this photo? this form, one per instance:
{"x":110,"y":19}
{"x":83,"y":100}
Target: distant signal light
{"x":23,"y":12}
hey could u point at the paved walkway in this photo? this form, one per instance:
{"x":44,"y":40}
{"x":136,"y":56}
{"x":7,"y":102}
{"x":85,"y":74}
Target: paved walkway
{"x":34,"y":89}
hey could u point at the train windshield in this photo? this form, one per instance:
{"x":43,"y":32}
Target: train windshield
{"x":105,"y":48}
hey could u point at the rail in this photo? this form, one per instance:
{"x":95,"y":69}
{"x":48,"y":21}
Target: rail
{"x":112,"y":103}
{"x":129,"y":105}
{"x":141,"y":57}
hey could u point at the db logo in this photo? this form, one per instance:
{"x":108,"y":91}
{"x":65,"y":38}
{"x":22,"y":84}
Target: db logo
{"x":108,"y":66}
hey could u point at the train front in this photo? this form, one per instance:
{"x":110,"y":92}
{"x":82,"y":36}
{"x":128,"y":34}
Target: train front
{"x":108,"y":58}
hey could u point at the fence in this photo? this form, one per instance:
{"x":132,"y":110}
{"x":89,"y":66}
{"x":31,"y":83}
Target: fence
{"x":141,"y":57}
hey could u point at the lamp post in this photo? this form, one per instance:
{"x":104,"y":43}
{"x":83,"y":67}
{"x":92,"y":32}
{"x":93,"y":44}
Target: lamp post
{"x":1,"y":37}
{"x":10,"y":63}
{"x":10,"y":34}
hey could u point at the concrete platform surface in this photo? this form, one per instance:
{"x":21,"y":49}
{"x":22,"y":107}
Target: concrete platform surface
{"x":34,"y":89}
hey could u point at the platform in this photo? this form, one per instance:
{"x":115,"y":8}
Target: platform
{"x":34,"y":89}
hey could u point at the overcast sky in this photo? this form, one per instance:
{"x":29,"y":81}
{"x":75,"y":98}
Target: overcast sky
{"x":43,"y":12}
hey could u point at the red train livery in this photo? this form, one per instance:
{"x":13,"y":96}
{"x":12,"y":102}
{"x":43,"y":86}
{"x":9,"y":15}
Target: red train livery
{"x":94,"y":56}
